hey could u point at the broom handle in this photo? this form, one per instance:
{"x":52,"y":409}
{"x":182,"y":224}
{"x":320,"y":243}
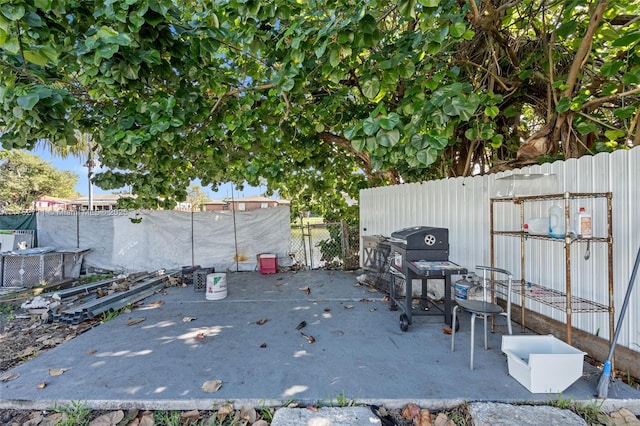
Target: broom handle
{"x":624,"y":305}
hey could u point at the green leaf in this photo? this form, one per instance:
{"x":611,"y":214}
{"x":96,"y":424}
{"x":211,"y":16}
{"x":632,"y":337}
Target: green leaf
{"x":288,"y":84}
{"x":35,"y":57}
{"x":371,"y":87}
{"x":624,"y":112}
{"x":496,"y":141}
{"x":631,"y":78}
{"x":407,"y":8}
{"x":358,"y":144}
{"x":345,"y":37}
{"x":457,"y":29}
{"x":390,"y":121}
{"x":388,"y":138}
{"x":586,"y":127}
{"x":407,"y":70}
{"x":351,"y":132}
{"x":627,"y":39}
{"x":370,"y":126}
{"x":106,"y":51}
{"x":608,"y":69}
{"x":563,"y":104}
{"x":567,"y":28}
{"x":368,"y":24}
{"x":12,"y":12}
{"x":429,"y":3}
{"x":458,"y":106}
{"x":334,"y":57}
{"x":613,"y":135}
{"x":492,"y":111}
{"x":438,"y":142}
{"x":471,"y":134}
{"x":28,"y":101}
{"x":427,"y":156}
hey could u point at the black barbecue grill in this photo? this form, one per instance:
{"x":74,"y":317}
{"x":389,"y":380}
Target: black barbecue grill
{"x":421,"y":252}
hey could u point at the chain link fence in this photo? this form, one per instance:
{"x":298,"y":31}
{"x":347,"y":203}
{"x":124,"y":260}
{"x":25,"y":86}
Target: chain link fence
{"x":325,"y":246}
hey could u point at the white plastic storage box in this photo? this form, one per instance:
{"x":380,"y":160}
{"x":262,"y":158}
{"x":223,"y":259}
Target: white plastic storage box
{"x":542,"y":364}
{"x":520,"y":185}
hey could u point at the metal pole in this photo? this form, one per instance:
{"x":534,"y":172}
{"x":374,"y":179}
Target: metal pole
{"x":78,"y":226}
{"x":193,"y":262}
{"x":235,"y":233}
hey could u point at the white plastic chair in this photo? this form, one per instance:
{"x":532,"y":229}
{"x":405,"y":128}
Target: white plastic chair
{"x":486,"y":307}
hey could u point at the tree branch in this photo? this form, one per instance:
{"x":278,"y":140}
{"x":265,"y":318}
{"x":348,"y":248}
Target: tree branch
{"x":585,"y":47}
{"x":597,"y":102}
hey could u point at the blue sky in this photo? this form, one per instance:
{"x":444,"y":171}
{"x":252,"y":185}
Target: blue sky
{"x":76,"y":165}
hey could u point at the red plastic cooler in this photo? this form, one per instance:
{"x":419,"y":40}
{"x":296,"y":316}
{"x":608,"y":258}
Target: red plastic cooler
{"x":268,"y":263}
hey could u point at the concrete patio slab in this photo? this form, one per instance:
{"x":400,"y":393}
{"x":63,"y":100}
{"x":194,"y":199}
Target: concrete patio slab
{"x":351,"y":349}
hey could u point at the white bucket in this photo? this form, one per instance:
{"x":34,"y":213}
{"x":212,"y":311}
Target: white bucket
{"x":216,"y":286}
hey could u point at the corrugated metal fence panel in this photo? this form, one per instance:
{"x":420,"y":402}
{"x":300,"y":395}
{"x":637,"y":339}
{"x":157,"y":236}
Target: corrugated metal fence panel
{"x":463,"y":206}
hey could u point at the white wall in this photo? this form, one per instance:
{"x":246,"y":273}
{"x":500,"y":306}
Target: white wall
{"x":462,"y":206}
{"x":171,"y":239}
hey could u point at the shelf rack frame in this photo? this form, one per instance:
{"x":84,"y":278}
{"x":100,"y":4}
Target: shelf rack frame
{"x":563,"y":301}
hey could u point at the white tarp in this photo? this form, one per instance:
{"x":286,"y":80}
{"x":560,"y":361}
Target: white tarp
{"x":170,"y":239}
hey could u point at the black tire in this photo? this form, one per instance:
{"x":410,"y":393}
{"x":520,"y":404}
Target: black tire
{"x":404,"y":322}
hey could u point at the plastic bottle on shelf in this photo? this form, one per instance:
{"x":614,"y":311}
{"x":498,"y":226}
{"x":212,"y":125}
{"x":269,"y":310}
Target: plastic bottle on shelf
{"x":583,"y":224}
{"x":556,"y":222}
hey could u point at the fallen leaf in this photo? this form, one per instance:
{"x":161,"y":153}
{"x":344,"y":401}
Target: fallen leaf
{"x":225,"y":410}
{"x":365,"y":300}
{"x":91,"y":352}
{"x":262,"y":321}
{"x":312,"y":408}
{"x":372,"y":290}
{"x":348,"y":306}
{"x":57,"y":371}
{"x":264,"y":345}
{"x":135,"y":321}
{"x":305,"y":289}
{"x":7,"y":377}
{"x":424,"y":418}
{"x":308,"y":291}
{"x":327,"y":309}
{"x":188,"y":319}
{"x":447,"y":330}
{"x":372,"y":310}
{"x":211,"y":386}
{"x":27,"y":352}
{"x":310,"y":339}
{"x":249,"y":414}
{"x":411,"y":411}
{"x":191,"y":415}
{"x":109,"y":419}
{"x":147,"y":420}
{"x":302,"y":325}
{"x":42,"y":385}
{"x":386,"y":298}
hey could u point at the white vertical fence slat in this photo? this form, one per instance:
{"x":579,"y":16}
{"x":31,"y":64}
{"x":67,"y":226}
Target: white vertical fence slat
{"x":462,"y":206}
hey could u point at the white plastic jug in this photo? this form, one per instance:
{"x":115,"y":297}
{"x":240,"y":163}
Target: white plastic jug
{"x":556,"y":222}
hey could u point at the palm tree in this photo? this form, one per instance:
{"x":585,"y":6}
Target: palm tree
{"x":84,"y":148}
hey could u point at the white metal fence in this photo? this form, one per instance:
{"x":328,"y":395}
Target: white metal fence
{"x":462,"y":206}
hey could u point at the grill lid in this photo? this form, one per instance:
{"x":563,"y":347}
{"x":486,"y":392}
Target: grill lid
{"x":422,"y":238}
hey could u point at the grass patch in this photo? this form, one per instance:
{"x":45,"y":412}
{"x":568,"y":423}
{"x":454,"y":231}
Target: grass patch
{"x":76,"y":414}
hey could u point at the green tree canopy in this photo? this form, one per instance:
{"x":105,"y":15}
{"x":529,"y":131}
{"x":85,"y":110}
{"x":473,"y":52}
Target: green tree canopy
{"x":318,"y":98}
{"x":25,"y":178}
